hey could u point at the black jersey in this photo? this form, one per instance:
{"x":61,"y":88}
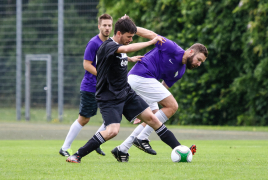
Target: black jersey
{"x":111,"y":72}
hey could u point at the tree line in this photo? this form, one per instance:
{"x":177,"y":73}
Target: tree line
{"x":230,"y":88}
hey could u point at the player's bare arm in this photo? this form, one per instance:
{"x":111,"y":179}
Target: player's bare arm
{"x":134,"y":58}
{"x":145,"y":33}
{"x":89,"y":67}
{"x":165,"y":85}
{"x":138,"y":46}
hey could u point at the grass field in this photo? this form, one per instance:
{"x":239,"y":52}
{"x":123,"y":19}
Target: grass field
{"x":213,"y":160}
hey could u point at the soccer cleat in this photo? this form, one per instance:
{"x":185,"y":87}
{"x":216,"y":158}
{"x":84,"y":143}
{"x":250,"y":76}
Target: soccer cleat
{"x":193,"y":149}
{"x":74,"y":159}
{"x":99,"y":151}
{"x":119,"y":155}
{"x":144,"y":145}
{"x":66,"y":153}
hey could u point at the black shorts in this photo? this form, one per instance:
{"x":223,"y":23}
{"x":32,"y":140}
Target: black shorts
{"x":130,"y":106}
{"x":88,"y":104}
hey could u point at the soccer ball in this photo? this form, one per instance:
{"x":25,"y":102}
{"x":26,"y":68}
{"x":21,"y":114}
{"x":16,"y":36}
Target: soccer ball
{"x":181,"y":153}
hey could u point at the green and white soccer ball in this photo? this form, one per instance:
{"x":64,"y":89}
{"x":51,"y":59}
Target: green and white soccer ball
{"x":181,"y":153}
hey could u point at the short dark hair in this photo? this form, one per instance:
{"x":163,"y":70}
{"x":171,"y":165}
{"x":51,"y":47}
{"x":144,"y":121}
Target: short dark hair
{"x":199,"y":48}
{"x":104,"y":16}
{"x":125,"y":24}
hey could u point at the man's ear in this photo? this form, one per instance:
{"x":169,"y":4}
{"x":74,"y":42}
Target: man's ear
{"x":98,"y":26}
{"x":191,"y":52}
{"x":118,"y":33}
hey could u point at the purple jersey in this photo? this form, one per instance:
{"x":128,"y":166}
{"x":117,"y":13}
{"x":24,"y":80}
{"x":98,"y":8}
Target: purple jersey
{"x":89,"y":81}
{"x":162,"y":62}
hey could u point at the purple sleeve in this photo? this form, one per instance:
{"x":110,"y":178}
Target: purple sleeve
{"x":90,"y":51}
{"x":169,"y":46}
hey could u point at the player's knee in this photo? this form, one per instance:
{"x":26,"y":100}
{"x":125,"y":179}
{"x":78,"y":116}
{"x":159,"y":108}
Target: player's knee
{"x":83,"y":120}
{"x":112,"y":133}
{"x":174,"y":107}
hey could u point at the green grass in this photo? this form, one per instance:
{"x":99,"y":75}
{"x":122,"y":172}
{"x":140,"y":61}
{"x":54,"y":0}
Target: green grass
{"x":213,"y":160}
{"x":38,"y":115}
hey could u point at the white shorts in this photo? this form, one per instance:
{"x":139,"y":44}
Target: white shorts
{"x":149,"y":89}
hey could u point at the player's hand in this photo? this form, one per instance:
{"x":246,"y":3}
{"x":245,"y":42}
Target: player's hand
{"x":135,"y":58}
{"x":137,"y":121}
{"x":159,"y":39}
{"x":123,"y":17}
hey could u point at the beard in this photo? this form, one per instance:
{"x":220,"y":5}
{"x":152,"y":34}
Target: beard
{"x":122,"y":41}
{"x":104,"y":34}
{"x":189,"y":64}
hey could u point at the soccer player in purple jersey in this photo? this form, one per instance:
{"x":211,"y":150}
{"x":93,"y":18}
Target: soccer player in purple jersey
{"x":88,"y":104}
{"x":167,"y":63}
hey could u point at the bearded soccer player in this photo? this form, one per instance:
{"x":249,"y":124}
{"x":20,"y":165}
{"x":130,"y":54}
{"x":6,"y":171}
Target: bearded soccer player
{"x":167,"y":63}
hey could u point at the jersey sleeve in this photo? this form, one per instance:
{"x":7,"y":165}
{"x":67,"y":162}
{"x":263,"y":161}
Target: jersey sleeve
{"x":112,"y":48}
{"x":169,"y":46}
{"x":90,"y":51}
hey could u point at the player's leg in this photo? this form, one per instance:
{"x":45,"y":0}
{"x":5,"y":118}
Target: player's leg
{"x":73,"y":132}
{"x":170,"y":106}
{"x":126,"y":145}
{"x":133,"y":107}
{"x":112,"y":116}
{"x":161,"y":130}
{"x":88,"y":108}
{"x":99,"y":149}
{"x":151,"y":91}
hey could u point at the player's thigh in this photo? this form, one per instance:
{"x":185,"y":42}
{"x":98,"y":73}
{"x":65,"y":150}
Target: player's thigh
{"x":149,"y":89}
{"x":111,"y":111}
{"x":169,"y":101}
{"x":88,"y":104}
{"x":134,"y":106}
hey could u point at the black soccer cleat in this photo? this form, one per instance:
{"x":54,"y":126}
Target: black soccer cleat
{"x":193,"y":149}
{"x":65,"y":153}
{"x":99,"y":151}
{"x":119,"y":155}
{"x":144,"y":145}
{"x":74,"y":159}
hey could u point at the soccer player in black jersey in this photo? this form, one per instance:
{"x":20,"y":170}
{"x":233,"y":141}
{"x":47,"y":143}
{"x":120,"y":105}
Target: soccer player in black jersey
{"x":115,"y":96}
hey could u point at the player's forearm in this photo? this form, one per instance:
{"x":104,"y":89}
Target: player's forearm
{"x":89,"y":67}
{"x":146,"y":33}
{"x":134,"y":47}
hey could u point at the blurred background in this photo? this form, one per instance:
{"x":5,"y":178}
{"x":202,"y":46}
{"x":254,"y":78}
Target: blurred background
{"x":230,"y":88}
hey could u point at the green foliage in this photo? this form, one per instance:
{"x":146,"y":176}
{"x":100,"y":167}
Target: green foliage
{"x":230,"y":88}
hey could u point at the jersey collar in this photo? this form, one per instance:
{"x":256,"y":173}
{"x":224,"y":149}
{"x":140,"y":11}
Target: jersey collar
{"x":114,"y":40}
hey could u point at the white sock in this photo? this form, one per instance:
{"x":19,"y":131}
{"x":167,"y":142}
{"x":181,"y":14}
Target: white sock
{"x":73,"y":132}
{"x":124,"y":147}
{"x":145,"y":133}
{"x":102,"y":128}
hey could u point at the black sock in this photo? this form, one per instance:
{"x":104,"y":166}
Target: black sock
{"x":91,"y":145}
{"x":167,"y":136}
